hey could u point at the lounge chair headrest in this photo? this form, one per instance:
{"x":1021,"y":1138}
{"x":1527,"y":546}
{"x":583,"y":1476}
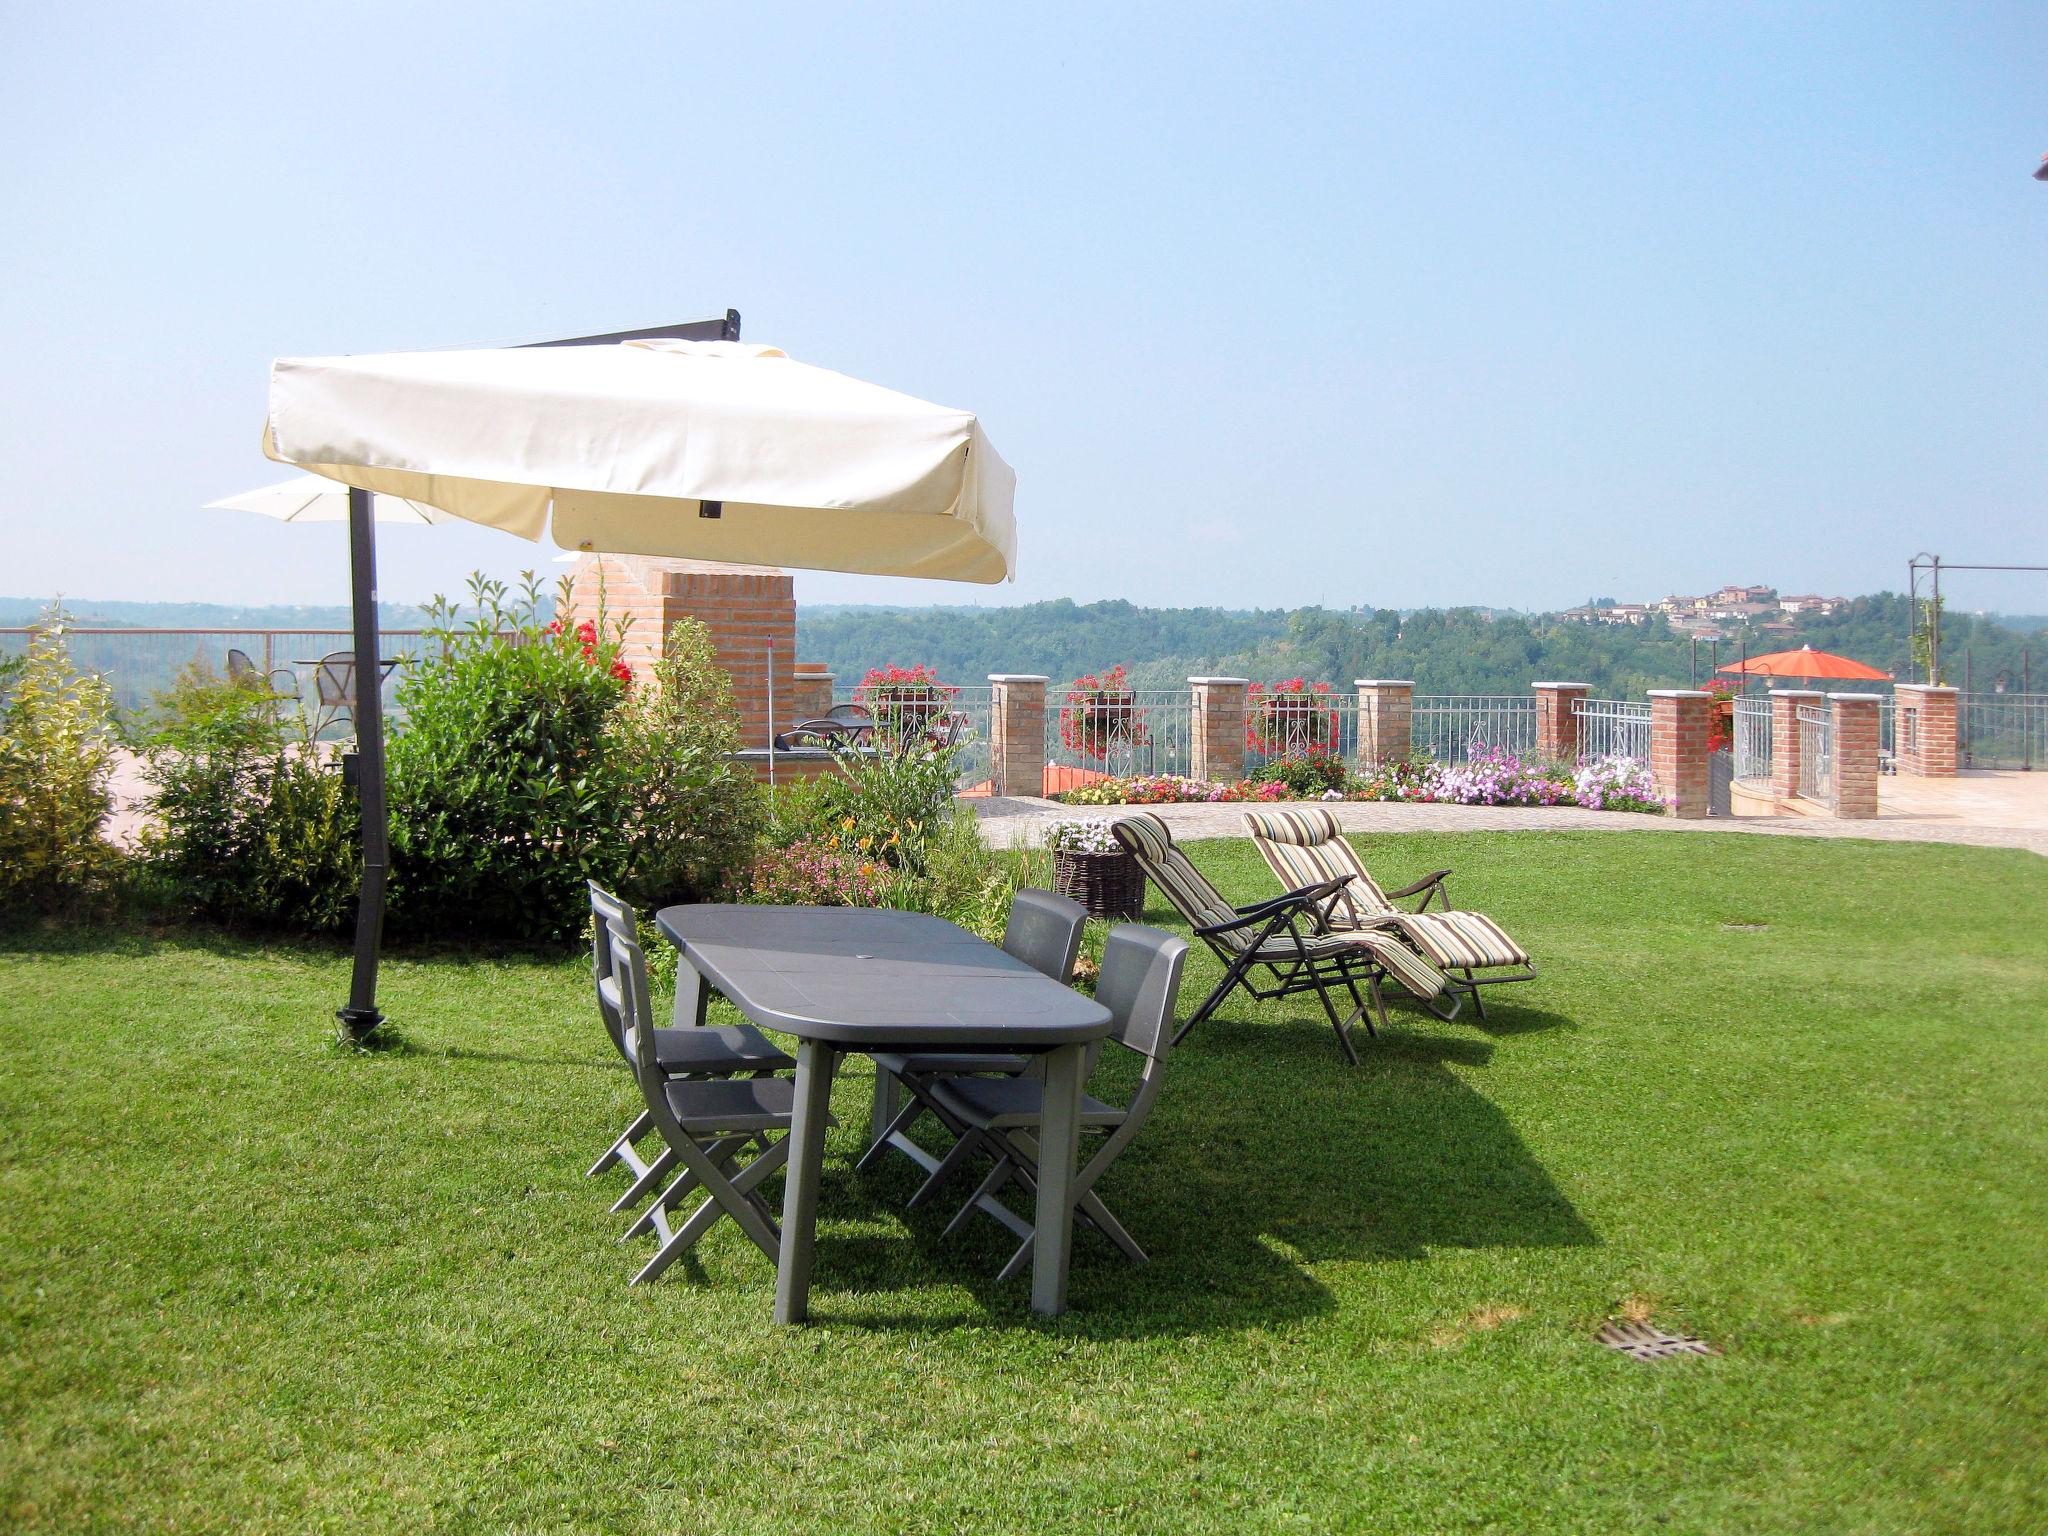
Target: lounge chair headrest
{"x":1303,"y":829}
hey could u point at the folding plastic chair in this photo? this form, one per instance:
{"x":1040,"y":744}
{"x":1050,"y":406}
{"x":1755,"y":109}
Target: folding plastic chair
{"x":707,"y":1123}
{"x":691,"y":1049}
{"x":1141,"y":970}
{"x":1044,"y":931}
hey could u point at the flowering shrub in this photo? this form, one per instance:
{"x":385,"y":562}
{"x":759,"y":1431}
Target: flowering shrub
{"x":1089,"y":836}
{"x":595,"y":649}
{"x":815,"y":872}
{"x":1169,"y":789}
{"x":1721,"y":693}
{"x":1616,"y":784}
{"x":1100,"y":717}
{"x":1495,"y":776}
{"x":1290,"y":719}
{"x":1308,"y":775}
{"x":903,"y":700}
{"x":1397,"y":779}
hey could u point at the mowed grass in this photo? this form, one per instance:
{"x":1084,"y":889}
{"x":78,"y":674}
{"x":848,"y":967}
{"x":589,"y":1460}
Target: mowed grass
{"x":1784,"y":1094}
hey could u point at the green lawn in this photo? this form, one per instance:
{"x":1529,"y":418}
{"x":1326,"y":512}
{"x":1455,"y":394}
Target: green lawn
{"x":1786,"y":1094}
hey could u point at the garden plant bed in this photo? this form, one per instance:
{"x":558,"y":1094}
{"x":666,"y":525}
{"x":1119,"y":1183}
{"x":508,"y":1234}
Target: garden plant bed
{"x":247,"y":1282}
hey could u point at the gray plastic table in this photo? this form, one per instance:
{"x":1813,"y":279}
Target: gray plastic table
{"x":870,"y":979}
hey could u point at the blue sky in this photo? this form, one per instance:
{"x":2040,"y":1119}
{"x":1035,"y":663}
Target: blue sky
{"x":1347,"y":304}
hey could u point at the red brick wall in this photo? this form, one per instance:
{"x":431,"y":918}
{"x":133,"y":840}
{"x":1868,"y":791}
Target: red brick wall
{"x":1678,"y":749}
{"x":1218,"y":706}
{"x":1557,"y":727}
{"x":1924,"y":731}
{"x":1856,"y":742}
{"x":1016,"y":734}
{"x":1386,"y":718}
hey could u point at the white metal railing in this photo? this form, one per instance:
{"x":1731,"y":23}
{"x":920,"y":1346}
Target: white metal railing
{"x":1137,"y":731}
{"x":1752,"y":738}
{"x":2002,"y":730}
{"x":1450,"y":728}
{"x":1613,"y":728}
{"x":1816,"y":753}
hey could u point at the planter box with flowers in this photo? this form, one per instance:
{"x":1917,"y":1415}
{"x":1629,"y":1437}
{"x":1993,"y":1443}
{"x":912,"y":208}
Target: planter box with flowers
{"x":905,"y":701}
{"x":1290,"y":719}
{"x":1090,"y":866}
{"x":1101,"y":716}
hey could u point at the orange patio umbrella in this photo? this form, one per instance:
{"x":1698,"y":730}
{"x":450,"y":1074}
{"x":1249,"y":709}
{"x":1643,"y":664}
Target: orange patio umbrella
{"x":1807,"y":662}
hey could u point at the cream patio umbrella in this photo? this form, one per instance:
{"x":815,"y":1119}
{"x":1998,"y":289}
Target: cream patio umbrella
{"x":650,"y":444}
{"x":313,"y":499}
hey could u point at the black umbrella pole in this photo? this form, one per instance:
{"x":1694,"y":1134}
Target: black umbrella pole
{"x":361,"y":1015}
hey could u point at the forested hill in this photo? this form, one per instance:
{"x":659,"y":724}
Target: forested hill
{"x":1458,"y":650}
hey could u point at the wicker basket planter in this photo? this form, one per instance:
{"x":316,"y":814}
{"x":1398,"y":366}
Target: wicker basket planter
{"x":1107,"y":884}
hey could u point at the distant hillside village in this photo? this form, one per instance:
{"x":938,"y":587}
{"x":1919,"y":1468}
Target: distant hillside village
{"x":1758,"y":608}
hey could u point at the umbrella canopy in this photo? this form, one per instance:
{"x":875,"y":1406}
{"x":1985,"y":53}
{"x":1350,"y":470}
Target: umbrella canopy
{"x":707,"y":449}
{"x":1807,"y":662}
{"x":313,"y":499}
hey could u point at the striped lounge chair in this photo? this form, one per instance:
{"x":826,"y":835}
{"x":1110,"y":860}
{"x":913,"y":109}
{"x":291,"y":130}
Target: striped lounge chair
{"x":1285,"y":946}
{"x":1306,"y":845}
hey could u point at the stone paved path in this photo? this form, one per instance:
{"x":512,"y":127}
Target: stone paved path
{"x":1984,"y":809}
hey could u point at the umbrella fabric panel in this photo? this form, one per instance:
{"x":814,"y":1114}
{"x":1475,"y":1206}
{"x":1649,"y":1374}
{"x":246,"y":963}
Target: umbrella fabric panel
{"x":1807,"y":662}
{"x":496,"y":436}
{"x":316,"y":499}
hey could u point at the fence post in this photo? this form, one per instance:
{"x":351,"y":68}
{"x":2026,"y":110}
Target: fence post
{"x":1216,"y":718}
{"x":1016,"y":733}
{"x":1557,"y":726}
{"x":1855,"y":773}
{"x":810,"y":691}
{"x":1924,"y":730}
{"x":1386,"y":719}
{"x":1678,"y":749}
{"x":1785,"y":744}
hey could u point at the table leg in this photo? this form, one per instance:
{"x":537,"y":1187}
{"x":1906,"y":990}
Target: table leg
{"x":814,"y":1063}
{"x":1058,"y":1150}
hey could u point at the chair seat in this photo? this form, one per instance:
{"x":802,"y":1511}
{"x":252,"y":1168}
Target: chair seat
{"x":1003,"y":1103}
{"x":1406,"y":967}
{"x":716,"y":1049}
{"x":709,"y":1107}
{"x":950,"y":1064}
{"x":1461,"y":940}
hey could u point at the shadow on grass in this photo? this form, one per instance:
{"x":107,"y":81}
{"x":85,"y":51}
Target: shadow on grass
{"x":1266,"y":1156}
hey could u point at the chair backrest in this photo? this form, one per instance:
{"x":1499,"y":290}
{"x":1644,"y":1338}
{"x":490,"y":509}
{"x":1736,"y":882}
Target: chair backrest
{"x":1185,"y":888}
{"x":1044,"y":931}
{"x":1139,"y":985}
{"x":609,"y":916}
{"x":1307,"y":847}
{"x":240,"y":667}
{"x":636,"y":1010}
{"x":334,"y":676}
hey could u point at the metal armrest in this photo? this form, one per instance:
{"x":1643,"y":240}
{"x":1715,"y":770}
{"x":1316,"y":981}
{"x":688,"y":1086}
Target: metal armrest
{"x":1432,"y":883}
{"x":1291,"y":902}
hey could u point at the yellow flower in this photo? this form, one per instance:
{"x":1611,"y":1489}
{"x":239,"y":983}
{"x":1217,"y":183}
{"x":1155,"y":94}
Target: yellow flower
{"x":866,"y":843}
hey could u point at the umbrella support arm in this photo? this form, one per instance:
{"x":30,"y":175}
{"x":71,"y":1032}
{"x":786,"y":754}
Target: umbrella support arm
{"x":361,"y":1015}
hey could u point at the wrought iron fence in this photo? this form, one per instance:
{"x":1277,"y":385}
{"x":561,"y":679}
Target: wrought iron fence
{"x":1613,"y":728}
{"x":1137,"y":731}
{"x":1816,"y":752}
{"x":2002,"y":730}
{"x":1450,"y":728}
{"x":138,"y":663}
{"x":1752,"y":738}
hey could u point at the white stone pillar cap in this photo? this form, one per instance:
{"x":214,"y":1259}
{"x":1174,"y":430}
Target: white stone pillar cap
{"x":1017,"y":677}
{"x":1242,"y":681}
{"x":1588,"y":687}
{"x":1857,"y":698}
{"x":1682,"y":693}
{"x":1383,"y":682}
{"x":1925,"y":688}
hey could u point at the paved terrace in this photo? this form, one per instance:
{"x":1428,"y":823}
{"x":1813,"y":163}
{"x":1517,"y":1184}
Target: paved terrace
{"x":1986,"y":808}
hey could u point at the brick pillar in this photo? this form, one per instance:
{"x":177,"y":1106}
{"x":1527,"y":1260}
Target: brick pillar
{"x":1855,"y":768}
{"x":810,"y":693}
{"x":1785,"y":704}
{"x":745,"y":608}
{"x":1386,"y":715}
{"x":1016,"y":733}
{"x":1924,"y":730}
{"x":1678,"y":749}
{"x":1218,"y":718}
{"x":1557,"y":727}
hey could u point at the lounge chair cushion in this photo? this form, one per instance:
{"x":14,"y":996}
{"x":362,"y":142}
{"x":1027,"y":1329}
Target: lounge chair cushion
{"x":1460,"y":941}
